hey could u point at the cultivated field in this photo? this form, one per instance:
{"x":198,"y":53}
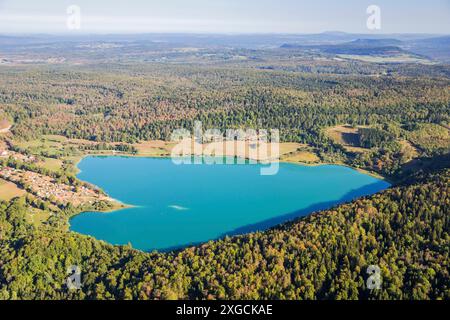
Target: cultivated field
{"x":9,"y":190}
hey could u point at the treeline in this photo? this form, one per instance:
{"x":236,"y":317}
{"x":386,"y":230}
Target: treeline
{"x":372,"y":137}
{"x":121,"y":147}
{"x":74,"y":149}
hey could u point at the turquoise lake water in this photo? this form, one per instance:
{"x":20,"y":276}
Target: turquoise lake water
{"x":177,"y":206}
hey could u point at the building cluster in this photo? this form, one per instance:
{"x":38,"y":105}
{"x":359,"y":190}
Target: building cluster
{"x":4,"y":153}
{"x":46,"y":188}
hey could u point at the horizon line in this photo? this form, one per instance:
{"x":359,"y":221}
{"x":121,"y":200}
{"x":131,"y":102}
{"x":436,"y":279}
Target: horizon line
{"x":122,"y":33}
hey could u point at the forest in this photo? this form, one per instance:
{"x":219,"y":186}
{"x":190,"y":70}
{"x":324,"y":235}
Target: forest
{"x":400,"y":114}
{"x":127,"y":106}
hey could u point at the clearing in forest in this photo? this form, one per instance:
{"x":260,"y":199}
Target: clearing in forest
{"x":347,"y":136}
{"x":9,"y":190}
{"x":4,"y":126}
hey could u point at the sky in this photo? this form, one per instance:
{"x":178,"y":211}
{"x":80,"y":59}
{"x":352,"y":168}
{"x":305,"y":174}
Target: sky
{"x":222,"y":16}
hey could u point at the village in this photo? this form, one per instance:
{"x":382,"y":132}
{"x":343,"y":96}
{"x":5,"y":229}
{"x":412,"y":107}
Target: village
{"x":6,"y":154}
{"x":46,"y":188}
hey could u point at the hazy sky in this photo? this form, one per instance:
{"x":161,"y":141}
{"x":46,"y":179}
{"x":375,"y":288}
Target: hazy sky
{"x":224,"y":16}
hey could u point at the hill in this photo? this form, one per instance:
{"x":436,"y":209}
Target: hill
{"x":356,"y":47}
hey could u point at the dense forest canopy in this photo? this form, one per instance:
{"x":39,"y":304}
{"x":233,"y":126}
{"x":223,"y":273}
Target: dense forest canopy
{"x":128,"y":106}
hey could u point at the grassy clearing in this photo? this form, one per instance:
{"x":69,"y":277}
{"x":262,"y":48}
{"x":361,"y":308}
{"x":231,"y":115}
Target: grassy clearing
{"x":9,"y":190}
{"x":303,"y":157}
{"x":156,"y":148}
{"x":51,"y":164}
{"x":290,"y":147}
{"x":50,"y":145}
{"x":347,"y":136}
{"x":37,"y":216}
{"x":163,"y":148}
{"x":4,"y":126}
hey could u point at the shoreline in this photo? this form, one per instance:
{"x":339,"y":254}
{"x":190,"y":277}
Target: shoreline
{"x":305,"y":164}
{"x":123,"y":206}
{"x":116,"y":206}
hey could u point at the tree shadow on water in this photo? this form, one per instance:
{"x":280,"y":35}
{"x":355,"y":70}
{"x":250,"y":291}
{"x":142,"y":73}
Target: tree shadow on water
{"x":349,"y":196}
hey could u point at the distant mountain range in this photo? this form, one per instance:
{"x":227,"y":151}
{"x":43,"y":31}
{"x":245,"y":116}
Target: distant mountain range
{"x":424,"y":45}
{"x":434,"y":48}
{"x":356,"y":47}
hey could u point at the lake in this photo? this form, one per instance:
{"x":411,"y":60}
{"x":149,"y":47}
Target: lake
{"x":176,"y":206}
